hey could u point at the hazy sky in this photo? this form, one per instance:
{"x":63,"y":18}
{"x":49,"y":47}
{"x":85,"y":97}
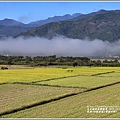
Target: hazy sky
{"x":32,"y":11}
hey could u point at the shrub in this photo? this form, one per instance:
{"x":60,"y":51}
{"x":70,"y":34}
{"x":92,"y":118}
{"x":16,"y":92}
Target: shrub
{"x":4,"y":68}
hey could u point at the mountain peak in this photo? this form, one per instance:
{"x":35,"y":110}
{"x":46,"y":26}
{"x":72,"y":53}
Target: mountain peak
{"x":10,"y":22}
{"x":8,"y":19}
{"x":76,"y":14}
{"x":102,"y":11}
{"x":53,"y":19}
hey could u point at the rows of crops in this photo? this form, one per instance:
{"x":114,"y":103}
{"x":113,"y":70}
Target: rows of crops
{"x":24,"y":87}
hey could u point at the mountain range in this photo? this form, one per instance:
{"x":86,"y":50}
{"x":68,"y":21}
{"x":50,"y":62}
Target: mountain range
{"x":10,"y":27}
{"x":104,"y":25}
{"x":11,"y":22}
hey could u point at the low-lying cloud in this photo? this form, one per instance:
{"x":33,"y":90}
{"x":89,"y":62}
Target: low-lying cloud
{"x":59,"y":45}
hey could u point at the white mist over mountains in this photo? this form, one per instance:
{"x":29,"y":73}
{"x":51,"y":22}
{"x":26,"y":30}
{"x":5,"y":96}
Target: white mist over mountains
{"x":59,"y":45}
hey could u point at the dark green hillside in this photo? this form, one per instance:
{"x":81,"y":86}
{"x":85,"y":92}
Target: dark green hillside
{"x":12,"y":30}
{"x":102,"y":26}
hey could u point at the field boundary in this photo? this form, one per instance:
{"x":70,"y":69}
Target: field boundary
{"x":102,"y":73}
{"x":48,"y":85}
{"x":72,"y":76}
{"x":5,"y":83}
{"x":53,"y":99}
{"x":57,"y":78}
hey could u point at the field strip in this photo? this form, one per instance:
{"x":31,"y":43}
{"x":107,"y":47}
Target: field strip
{"x":5,"y":83}
{"x":47,"y":85}
{"x":102,"y":73}
{"x":53,"y":99}
{"x":72,"y":76}
{"x":17,"y":95}
{"x":57,"y":78}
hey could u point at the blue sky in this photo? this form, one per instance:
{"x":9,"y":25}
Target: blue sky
{"x":32,"y":11}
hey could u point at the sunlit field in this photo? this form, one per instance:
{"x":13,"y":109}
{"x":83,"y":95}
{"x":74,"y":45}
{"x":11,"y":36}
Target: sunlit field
{"x":43,"y":92}
{"x":83,"y":81}
{"x":76,"y":106}
{"x":39,"y":74}
{"x":15,"y":95}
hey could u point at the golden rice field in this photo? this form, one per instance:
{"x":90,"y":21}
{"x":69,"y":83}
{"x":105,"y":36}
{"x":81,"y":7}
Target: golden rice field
{"x":38,"y":74}
{"x":22,"y":89}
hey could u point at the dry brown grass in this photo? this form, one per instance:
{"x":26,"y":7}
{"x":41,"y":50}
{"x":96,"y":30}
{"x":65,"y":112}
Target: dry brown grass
{"x":13,"y":96}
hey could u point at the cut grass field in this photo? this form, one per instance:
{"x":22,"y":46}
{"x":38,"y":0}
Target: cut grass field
{"x":76,"y":106}
{"x":83,"y":81}
{"x":13,"y":96}
{"x":27,"y":87}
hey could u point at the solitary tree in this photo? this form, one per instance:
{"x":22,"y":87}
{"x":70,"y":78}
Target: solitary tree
{"x":75,"y":64}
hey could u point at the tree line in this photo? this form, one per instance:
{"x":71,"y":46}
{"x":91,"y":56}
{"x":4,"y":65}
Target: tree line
{"x":53,"y":60}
